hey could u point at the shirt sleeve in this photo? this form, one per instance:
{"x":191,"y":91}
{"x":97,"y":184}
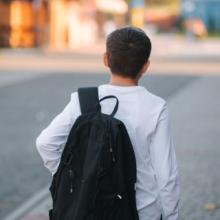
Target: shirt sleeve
{"x":165,"y":165}
{"x":51,"y":141}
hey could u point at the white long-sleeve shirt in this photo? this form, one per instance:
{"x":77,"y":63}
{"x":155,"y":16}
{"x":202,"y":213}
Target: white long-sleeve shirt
{"x":146,"y":118}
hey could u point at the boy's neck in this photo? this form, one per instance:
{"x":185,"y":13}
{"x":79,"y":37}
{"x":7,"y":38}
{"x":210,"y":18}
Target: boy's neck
{"x":122,"y":81}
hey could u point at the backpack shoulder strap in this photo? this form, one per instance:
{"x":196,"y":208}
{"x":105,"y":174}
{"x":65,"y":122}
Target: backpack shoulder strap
{"x":89,"y":99}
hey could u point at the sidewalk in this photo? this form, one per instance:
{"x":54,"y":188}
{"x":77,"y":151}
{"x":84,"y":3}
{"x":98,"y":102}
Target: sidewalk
{"x":169,"y":46}
{"x":170,"y":54}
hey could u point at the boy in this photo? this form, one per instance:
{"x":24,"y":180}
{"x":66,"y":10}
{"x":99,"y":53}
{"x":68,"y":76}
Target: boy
{"x":145,"y":116}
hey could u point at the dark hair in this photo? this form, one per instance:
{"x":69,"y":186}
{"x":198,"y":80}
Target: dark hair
{"x":128,"y":48}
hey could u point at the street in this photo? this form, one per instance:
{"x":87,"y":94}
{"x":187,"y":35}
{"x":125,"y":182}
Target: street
{"x":31,"y":98}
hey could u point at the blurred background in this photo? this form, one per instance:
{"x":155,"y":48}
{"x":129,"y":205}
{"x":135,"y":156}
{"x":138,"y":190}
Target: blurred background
{"x":49,"y":48}
{"x":73,"y":23}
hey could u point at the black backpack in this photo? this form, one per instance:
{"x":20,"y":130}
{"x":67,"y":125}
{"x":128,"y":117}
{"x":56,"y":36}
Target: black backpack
{"x":96,"y":177}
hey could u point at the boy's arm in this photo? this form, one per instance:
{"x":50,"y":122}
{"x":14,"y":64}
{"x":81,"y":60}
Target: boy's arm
{"x":165,"y":165}
{"x":52,"y":139}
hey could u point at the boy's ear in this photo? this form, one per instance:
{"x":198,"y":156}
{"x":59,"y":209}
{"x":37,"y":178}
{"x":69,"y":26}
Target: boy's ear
{"x":145,"y":67}
{"x":105,"y":59}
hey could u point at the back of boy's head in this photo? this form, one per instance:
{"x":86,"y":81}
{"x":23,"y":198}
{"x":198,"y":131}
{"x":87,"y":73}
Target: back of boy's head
{"x":128,"y":49}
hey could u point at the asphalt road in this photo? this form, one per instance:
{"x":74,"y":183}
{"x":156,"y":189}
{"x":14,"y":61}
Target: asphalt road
{"x":29,"y":102}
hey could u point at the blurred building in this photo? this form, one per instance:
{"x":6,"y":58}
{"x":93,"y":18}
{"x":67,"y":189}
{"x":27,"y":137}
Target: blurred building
{"x":208,"y":11}
{"x":163,"y":14}
{"x":57,"y":23}
{"x":23,"y":23}
{"x":137,"y":11}
{"x":72,"y":23}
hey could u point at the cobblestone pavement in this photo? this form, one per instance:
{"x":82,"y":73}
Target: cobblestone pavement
{"x":29,"y":103}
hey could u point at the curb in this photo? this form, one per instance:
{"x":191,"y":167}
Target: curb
{"x":33,"y":207}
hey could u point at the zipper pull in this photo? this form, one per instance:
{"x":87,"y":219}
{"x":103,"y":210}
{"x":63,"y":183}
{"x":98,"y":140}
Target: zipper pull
{"x":71,"y":188}
{"x":111,"y":148}
{"x":71,"y":178}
